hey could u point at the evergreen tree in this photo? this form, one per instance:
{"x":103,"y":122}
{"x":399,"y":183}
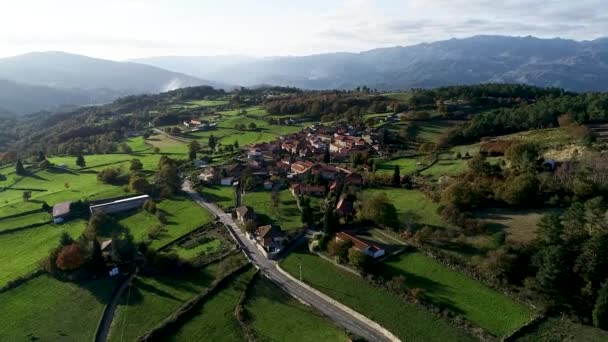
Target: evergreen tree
{"x":396,"y":181}
{"x":65,"y":239}
{"x":600,"y":311}
{"x":80,"y":161}
{"x":212,"y":142}
{"x":326,"y":156}
{"x":41,"y":156}
{"x":236,"y":144}
{"x":19,"y":169}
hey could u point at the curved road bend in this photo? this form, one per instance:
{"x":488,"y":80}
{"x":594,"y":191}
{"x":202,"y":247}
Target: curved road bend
{"x":294,"y":288}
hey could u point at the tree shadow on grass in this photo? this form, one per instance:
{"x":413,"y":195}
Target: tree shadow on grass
{"x":436,"y":292}
{"x":142,"y":286}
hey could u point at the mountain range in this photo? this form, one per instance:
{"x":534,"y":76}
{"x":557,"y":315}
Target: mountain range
{"x":569,"y":64}
{"x":49,"y":80}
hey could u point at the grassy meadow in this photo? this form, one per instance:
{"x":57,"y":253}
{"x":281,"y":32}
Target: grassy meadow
{"x":406,"y":321}
{"x":268,"y":304}
{"x":21,"y":251}
{"x":416,"y":201}
{"x":487,"y":308}
{"x":47,"y":309}
{"x":152,"y":299}
{"x":215,"y":321}
{"x":287,"y":215}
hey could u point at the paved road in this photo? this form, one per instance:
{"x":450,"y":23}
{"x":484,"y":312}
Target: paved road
{"x":268,"y":268}
{"x":108,"y":313}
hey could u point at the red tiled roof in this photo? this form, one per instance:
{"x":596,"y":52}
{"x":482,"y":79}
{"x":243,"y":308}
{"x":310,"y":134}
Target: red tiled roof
{"x":357,"y":243}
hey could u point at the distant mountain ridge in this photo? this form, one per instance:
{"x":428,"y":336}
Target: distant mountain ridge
{"x":573,"y":65}
{"x":46,"y":80}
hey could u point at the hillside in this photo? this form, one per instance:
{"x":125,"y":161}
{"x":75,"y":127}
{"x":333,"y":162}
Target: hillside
{"x":569,"y":64}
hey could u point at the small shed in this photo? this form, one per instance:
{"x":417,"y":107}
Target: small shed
{"x":61,"y":212}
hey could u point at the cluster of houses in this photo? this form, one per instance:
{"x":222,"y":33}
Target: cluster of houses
{"x":269,"y":238}
{"x":314,"y":141}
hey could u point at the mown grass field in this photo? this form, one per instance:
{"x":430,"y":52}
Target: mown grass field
{"x":22,"y":221}
{"x":487,"y":308}
{"x":152,"y":299}
{"x":21,"y":251}
{"x":268,"y":304}
{"x":204,"y":248}
{"x":220,"y":195}
{"x":555,"y":329}
{"x":215,"y":320}
{"x":405,"y":200}
{"x":287,"y":215}
{"x":46,"y":309}
{"x":401,"y":318}
{"x":183,"y":214}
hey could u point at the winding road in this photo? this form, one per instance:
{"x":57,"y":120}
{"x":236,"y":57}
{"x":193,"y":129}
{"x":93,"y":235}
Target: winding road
{"x":335,"y":311}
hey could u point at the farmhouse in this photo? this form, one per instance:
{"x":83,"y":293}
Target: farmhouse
{"x":300,"y":167}
{"x":362,"y":246}
{"x":61,"y":211}
{"x":123,"y":204}
{"x":244,"y":214}
{"x":270,"y":238}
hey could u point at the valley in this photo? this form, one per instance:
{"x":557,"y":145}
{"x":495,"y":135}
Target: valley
{"x":452,"y":213}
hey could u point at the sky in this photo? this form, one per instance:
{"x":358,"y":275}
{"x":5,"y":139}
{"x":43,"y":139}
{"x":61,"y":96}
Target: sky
{"x":123,"y":29}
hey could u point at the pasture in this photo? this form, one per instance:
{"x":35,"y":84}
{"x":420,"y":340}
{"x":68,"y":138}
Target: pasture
{"x":487,"y":308}
{"x":287,"y":215}
{"x":152,"y":299}
{"x":405,"y":200}
{"x":406,"y":321}
{"x":47,"y":309}
{"x":21,"y":251}
{"x":267,"y":304}
{"x":183,"y":216}
{"x":215,"y":321}
{"x":220,"y":195}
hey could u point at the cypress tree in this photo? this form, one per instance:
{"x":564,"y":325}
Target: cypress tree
{"x":600,"y":311}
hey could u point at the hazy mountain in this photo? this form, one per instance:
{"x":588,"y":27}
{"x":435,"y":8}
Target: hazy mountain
{"x":573,"y":65}
{"x":63,"y":70}
{"x":21,"y":98}
{"x":43,"y":80}
{"x":195,"y":66}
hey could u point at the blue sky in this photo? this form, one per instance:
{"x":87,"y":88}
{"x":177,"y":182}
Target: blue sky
{"x":121,"y":29}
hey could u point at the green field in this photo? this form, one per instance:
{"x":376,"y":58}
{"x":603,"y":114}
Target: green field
{"x":46,"y":309}
{"x":489,"y":309}
{"x":184,"y":216}
{"x":22,"y":221}
{"x":288,"y":214}
{"x":409,"y":323}
{"x":399,"y":96}
{"x":152,"y":299}
{"x":404,"y":200}
{"x":406,"y":165}
{"x":267,"y":304}
{"x":206,"y":103}
{"x":220,"y":195}
{"x":214,"y":321}
{"x":21,"y":251}
{"x":554,"y":329}
{"x":205,"y":248}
